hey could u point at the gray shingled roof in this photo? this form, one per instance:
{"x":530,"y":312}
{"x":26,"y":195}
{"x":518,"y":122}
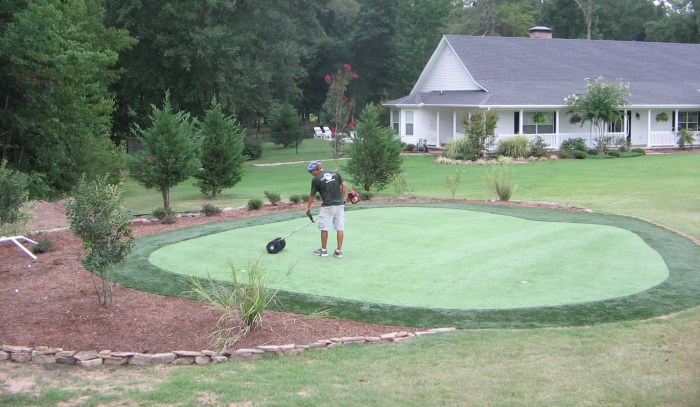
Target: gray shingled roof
{"x":525,"y":71}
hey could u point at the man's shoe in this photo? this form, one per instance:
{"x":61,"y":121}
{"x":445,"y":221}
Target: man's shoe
{"x":321,"y":252}
{"x":337,"y":253}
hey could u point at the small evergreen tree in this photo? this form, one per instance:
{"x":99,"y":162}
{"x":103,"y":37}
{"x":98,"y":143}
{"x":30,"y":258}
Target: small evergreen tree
{"x":222,"y":152}
{"x":171,"y":151}
{"x":98,"y":219}
{"x":375,"y":152}
{"x":286,"y":125}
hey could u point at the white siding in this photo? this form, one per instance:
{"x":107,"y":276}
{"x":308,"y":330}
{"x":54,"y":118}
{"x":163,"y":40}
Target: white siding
{"x":447,"y":73}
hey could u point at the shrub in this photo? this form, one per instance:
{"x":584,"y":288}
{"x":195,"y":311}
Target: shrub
{"x":13,"y":194}
{"x":500,"y":180}
{"x":408,"y":147}
{"x":460,"y":149}
{"x":574,"y":144}
{"x":273,"y":197}
{"x":453,"y":183}
{"x":295,"y":199}
{"x":255,"y":204}
{"x":365,"y":195}
{"x":245,"y":301}
{"x":166,"y":216}
{"x":210,"y":210}
{"x":578,"y":154}
{"x":638,"y":150}
{"x":517,"y":146}
{"x":43,"y":244}
{"x":686,"y":138}
{"x":252,"y":150}
{"x":98,"y":219}
{"x":538,"y":147}
{"x":613,"y":153}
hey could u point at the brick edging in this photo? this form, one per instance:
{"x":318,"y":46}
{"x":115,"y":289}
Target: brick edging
{"x":46,"y":355}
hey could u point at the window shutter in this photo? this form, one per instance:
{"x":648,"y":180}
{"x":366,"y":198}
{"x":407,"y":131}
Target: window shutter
{"x":516,"y":123}
{"x":673,"y":121}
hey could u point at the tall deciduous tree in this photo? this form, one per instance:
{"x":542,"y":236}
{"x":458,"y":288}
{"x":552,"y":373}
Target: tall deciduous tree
{"x":509,"y":18}
{"x":375,"y":154}
{"x":602,"y":103}
{"x":246,"y":53}
{"x":222,"y":151}
{"x":171,"y":150}
{"x":56,"y":63}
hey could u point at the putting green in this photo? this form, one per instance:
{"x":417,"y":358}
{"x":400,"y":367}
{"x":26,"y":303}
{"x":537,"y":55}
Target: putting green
{"x":436,"y":258}
{"x":428,"y":265}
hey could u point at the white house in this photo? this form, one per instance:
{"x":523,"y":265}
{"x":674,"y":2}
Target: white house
{"x":520,"y":77}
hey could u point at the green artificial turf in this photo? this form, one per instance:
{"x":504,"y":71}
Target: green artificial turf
{"x":446,"y":265}
{"x":436,"y":258}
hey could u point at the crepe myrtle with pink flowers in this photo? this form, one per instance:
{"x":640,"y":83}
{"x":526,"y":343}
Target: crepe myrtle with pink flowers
{"x":338,"y":109}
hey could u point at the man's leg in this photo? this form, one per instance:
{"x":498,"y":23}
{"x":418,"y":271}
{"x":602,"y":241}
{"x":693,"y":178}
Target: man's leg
{"x":340,"y":236}
{"x":324,"y":239}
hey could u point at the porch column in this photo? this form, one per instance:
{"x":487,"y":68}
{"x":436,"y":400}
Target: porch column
{"x":437,"y":128}
{"x":648,"y":128}
{"x":454,"y":124}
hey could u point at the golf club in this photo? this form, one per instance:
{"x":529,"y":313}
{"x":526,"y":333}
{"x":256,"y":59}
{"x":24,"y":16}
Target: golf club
{"x":276,"y":245}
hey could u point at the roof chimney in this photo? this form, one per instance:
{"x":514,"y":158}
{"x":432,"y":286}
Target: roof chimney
{"x":540,"y":32}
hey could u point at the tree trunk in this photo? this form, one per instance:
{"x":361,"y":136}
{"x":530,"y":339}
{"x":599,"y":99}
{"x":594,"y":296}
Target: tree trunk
{"x":165,"y":190}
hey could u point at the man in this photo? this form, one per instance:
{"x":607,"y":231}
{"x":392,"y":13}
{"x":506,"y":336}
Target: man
{"x":332,"y":188}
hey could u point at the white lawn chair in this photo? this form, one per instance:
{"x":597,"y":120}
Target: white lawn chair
{"x":318,"y":133}
{"x":15,"y":240}
{"x":327,"y":133}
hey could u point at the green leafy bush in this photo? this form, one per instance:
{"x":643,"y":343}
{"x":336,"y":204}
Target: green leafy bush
{"x":255,"y":204}
{"x":613,"y":153}
{"x":365,"y":195}
{"x":210,"y":210}
{"x":574,"y":144}
{"x":295,"y":199}
{"x":252,"y":150}
{"x":639,"y":151}
{"x":592,"y":151}
{"x":686,"y":137}
{"x":164,"y":215}
{"x":273,"y":197}
{"x":13,"y":194}
{"x":517,"y":146}
{"x":578,"y":154}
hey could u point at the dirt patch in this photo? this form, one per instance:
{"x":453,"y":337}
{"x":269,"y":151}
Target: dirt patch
{"x":52,"y":302}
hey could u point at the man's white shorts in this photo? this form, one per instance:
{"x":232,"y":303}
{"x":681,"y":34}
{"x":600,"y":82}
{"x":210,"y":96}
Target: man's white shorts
{"x":332,"y":215}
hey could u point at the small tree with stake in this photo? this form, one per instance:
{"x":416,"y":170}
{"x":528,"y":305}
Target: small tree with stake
{"x":98,"y":219}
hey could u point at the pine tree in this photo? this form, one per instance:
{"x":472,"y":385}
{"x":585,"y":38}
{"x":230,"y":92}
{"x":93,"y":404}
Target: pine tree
{"x":171,"y":150}
{"x":376,"y":152}
{"x":222,"y":152}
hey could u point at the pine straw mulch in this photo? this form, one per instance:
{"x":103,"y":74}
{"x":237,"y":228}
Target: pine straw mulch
{"x":52,"y":301}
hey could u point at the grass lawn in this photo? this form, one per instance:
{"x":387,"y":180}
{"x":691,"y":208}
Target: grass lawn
{"x":641,"y":363}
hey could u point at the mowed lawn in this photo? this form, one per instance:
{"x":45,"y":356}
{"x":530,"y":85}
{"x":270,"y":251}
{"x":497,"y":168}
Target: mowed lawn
{"x":640,"y":363}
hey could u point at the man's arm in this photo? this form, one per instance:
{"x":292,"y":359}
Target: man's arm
{"x":343,"y":190}
{"x":310,"y":202}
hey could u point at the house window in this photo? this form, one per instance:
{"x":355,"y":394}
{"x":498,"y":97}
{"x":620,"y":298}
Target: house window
{"x":409,"y":123}
{"x":688,"y":120}
{"x":538,"y":122}
{"x":617,"y":126}
{"x":395,"y":120}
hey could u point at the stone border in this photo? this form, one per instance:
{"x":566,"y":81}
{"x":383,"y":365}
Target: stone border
{"x":89,"y":359}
